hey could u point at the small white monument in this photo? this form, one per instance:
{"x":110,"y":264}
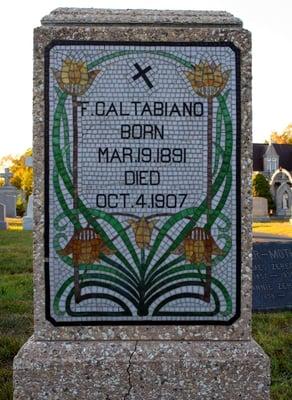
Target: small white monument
{"x":28,"y":218}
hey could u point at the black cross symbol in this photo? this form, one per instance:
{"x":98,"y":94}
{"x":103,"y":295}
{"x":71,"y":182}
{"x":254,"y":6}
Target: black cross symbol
{"x":142,"y":72}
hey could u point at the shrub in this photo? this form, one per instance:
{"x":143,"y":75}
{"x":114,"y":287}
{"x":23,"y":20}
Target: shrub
{"x":20,"y":207}
{"x":261,"y":188}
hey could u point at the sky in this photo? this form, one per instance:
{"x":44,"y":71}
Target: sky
{"x":269,"y":22}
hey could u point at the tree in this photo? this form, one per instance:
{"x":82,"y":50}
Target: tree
{"x":22,"y":175}
{"x":261,"y":188}
{"x":282,"y":138}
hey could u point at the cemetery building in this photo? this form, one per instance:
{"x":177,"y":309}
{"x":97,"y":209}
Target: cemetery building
{"x":274,"y":161}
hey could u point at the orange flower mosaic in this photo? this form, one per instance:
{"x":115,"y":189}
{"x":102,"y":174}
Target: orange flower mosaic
{"x":199,"y":247}
{"x":74,"y":77}
{"x":208,"y":80}
{"x":86,"y":247}
{"x":143,"y":231}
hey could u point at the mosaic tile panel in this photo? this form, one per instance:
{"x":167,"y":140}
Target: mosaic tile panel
{"x":142,"y":183}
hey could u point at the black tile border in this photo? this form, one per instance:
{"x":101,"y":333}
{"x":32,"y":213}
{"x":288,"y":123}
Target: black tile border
{"x":237,"y":314}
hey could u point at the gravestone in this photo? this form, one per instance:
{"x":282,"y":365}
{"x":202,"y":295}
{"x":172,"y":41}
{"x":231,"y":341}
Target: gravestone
{"x":3,"y":223}
{"x":6,"y":175}
{"x":28,"y":218}
{"x":142,"y":258}
{"x":260,"y":209}
{"x":272,"y":276}
{"x":284,"y":200}
{"x":8,"y":194}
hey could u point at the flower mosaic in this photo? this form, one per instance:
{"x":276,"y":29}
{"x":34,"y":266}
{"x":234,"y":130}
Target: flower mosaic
{"x":142,"y":183}
{"x":74,"y":77}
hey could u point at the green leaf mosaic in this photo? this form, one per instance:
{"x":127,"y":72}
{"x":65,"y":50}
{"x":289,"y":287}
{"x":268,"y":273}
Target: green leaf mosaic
{"x":142,"y":214}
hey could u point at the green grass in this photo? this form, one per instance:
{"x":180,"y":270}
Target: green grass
{"x":273,"y":331}
{"x":15,"y":252}
{"x":16,"y":307}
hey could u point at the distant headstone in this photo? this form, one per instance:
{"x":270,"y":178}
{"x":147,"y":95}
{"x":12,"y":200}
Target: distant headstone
{"x":284,"y":200}
{"x":7,"y":175}
{"x":260,"y":209}
{"x":8,"y":197}
{"x":3,"y":224}
{"x":8,"y":194}
{"x":27,"y":220}
{"x":272,"y":276}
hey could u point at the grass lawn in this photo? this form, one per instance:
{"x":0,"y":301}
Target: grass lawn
{"x":272,"y":331}
{"x":282,"y":228}
{"x":16,"y":291}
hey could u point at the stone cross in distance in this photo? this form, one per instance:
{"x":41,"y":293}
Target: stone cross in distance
{"x":7,"y":175}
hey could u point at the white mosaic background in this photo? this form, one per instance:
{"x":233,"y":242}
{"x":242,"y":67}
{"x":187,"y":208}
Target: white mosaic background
{"x":115,"y":84}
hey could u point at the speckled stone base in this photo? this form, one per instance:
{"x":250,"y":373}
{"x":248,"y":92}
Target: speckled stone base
{"x":60,"y":370}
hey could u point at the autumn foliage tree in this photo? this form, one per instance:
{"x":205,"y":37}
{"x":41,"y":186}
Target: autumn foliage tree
{"x":282,"y":138}
{"x":22,"y":175}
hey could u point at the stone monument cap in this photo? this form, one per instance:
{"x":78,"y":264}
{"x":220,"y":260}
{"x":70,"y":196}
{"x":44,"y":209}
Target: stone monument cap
{"x":97,"y":16}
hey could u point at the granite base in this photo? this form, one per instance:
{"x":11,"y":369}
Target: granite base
{"x":142,"y":370}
